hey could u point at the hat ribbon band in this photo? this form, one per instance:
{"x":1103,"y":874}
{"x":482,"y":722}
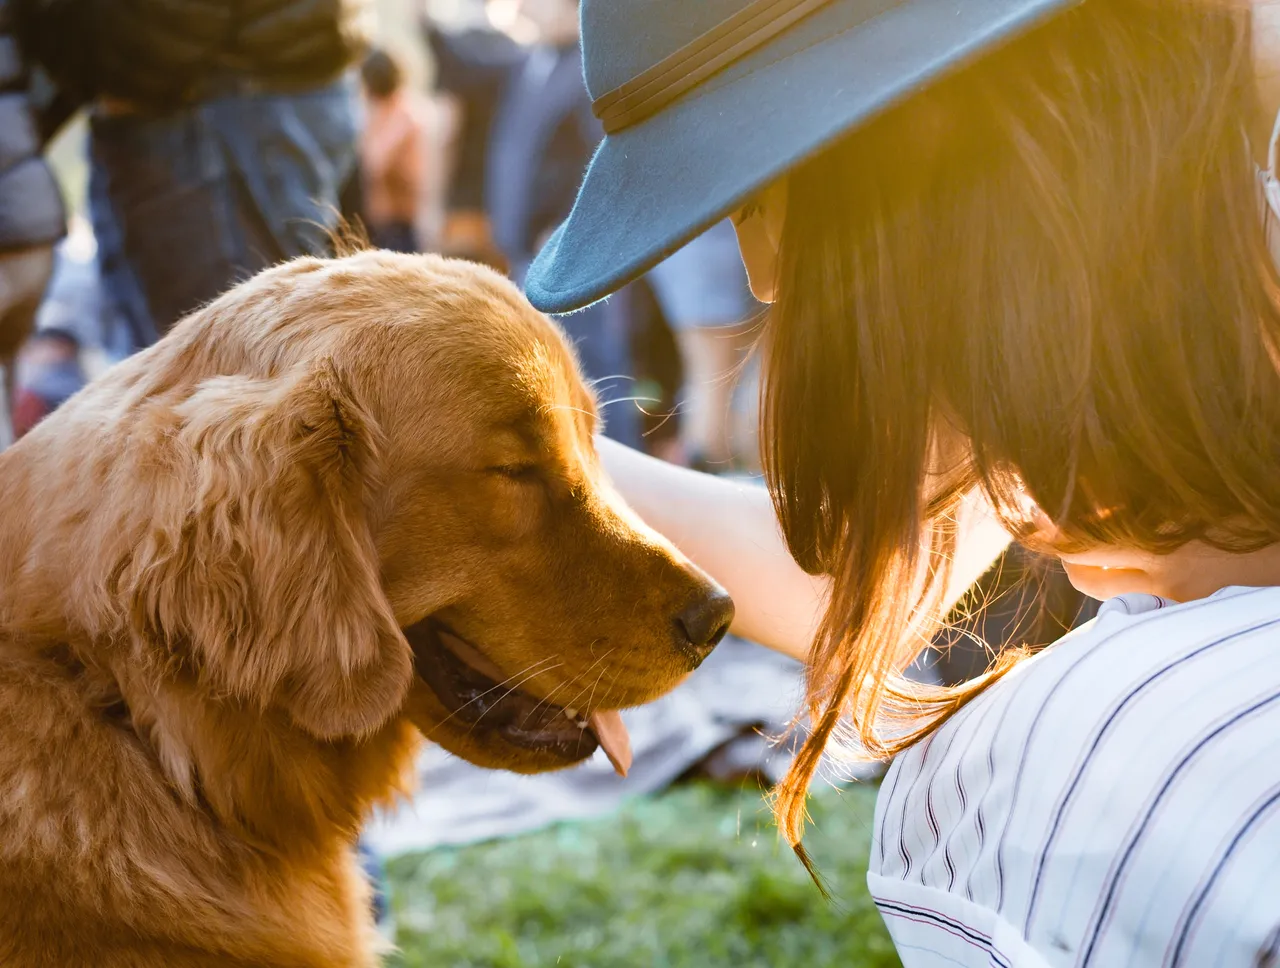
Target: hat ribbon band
{"x":675,"y":75}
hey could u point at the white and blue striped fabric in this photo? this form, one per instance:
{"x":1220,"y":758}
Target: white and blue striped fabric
{"x":1114,"y":801}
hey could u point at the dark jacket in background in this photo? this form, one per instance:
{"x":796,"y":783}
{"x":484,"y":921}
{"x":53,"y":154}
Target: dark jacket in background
{"x":164,"y":53}
{"x":474,"y":66}
{"x":31,"y":211}
{"x":543,"y":136}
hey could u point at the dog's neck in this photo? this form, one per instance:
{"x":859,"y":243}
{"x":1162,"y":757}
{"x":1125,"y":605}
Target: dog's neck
{"x":255,"y":774}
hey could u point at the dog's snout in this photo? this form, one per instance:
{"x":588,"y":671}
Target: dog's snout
{"x":704,"y":622}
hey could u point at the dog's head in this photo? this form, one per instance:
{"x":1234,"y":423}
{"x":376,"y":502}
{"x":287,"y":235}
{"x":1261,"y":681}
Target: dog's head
{"x":367,"y":487}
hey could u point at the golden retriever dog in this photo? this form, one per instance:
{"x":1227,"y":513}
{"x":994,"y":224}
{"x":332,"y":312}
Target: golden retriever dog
{"x":349,"y":503}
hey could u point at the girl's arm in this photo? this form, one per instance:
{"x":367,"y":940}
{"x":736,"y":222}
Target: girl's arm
{"x":730,"y":531}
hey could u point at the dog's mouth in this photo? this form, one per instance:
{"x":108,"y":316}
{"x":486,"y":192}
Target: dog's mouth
{"x":478,"y":694}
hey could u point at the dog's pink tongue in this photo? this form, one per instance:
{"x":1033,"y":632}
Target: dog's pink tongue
{"x":614,"y":738}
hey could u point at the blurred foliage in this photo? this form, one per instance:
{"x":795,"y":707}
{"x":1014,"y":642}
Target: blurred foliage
{"x":696,"y":878}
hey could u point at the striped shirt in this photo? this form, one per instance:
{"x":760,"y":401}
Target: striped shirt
{"x":1114,"y":801}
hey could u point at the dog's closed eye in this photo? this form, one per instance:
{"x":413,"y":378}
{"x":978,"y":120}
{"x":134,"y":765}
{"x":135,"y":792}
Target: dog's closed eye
{"x":515,"y":471}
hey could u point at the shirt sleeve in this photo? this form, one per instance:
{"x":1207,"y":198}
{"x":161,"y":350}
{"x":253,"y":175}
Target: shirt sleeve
{"x":935,"y":929}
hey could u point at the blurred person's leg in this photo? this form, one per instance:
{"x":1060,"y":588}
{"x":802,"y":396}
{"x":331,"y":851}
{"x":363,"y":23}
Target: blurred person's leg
{"x":161,"y":206}
{"x":394,"y":236}
{"x":122,"y":293}
{"x":714,"y":357}
{"x":290,"y":156}
{"x":189,"y":203}
{"x":659,"y":372}
{"x":467,"y":235}
{"x":704,"y":295}
{"x":24,"y":274}
{"x":745,"y":429}
{"x":375,"y":871}
{"x":351,"y":202}
{"x":601,"y":335}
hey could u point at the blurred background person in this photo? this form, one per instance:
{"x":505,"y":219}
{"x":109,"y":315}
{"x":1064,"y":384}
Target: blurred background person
{"x":49,"y":372}
{"x":522,"y":132}
{"x":542,"y":137}
{"x":221,"y":136}
{"x":31,"y":214}
{"x":76,"y":334}
{"x":473,"y":61}
{"x":543,"y":134}
{"x":392,"y":153}
{"x":706,"y":301}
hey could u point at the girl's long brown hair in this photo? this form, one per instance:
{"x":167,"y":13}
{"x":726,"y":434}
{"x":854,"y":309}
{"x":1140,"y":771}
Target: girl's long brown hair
{"x":1046,"y":276}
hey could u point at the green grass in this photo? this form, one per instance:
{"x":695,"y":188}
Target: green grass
{"x":695,"y":878}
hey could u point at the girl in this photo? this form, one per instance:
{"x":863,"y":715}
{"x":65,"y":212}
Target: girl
{"x":1019,"y":275}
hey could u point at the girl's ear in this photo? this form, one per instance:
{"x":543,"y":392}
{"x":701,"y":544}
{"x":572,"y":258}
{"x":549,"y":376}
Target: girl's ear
{"x":759,"y":226}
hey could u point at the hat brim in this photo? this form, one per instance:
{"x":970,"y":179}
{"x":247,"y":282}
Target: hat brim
{"x":651,"y":188}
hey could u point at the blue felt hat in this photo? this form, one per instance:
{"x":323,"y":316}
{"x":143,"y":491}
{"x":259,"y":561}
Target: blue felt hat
{"x":706,"y":101}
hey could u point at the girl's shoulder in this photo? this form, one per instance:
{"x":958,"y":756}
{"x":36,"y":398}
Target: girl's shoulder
{"x":1127,"y":762}
{"x":1140,"y":655}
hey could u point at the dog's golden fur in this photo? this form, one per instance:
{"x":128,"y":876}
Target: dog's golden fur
{"x":207,"y":559}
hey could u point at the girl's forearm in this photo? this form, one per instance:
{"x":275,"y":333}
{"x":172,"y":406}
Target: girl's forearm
{"x":729,"y":529}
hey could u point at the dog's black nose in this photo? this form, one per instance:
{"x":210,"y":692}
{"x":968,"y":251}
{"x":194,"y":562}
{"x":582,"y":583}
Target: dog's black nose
{"x":704,"y":623}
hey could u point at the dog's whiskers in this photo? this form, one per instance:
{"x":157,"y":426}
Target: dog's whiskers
{"x":582,"y":677}
{"x":591,"y":697}
{"x":544,"y":702}
{"x":613,"y":376}
{"x":531,"y":670}
{"x":547,"y":700}
{"x":514,"y":689}
{"x":610,"y":403}
{"x":553,"y":407}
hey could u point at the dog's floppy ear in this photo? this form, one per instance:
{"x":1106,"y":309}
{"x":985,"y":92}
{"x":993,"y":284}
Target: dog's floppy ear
{"x":265,"y":575}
